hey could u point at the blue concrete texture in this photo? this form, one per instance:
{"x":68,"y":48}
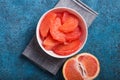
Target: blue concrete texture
{"x":18,"y":20}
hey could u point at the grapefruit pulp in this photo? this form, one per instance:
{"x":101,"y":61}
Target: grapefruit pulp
{"x":66,"y":49}
{"x":84,"y":66}
{"x":49,"y":42}
{"x":70,"y":22}
{"x":46,"y":24}
{"x":55,"y":33}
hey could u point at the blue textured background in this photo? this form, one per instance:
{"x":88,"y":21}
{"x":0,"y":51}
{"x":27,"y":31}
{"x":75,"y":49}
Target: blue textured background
{"x":18,"y":20}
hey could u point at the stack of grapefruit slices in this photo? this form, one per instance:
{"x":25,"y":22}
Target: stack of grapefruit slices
{"x":84,"y":66}
{"x":60,"y":32}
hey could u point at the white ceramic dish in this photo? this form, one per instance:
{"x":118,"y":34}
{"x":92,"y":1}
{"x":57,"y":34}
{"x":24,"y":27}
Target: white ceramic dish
{"x":82,"y":24}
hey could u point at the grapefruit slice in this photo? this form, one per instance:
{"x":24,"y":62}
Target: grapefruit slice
{"x":65,"y":16}
{"x":73,"y":35}
{"x":49,"y":42}
{"x":55,"y":33}
{"x":46,"y":24}
{"x":82,"y":67}
{"x":70,"y":22}
{"x":60,"y":15}
{"x":66,"y":49}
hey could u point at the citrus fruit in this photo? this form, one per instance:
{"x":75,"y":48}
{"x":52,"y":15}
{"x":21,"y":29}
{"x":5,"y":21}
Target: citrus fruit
{"x":65,"y":17}
{"x":70,"y":71}
{"x":49,"y":42}
{"x":73,"y":35}
{"x":60,"y":15}
{"x":46,"y":24}
{"x":54,"y":31}
{"x":66,"y":49}
{"x":70,"y":22}
{"x":84,"y":66}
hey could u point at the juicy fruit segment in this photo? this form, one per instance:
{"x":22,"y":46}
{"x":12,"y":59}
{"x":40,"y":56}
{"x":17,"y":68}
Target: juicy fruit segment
{"x":46,"y":24}
{"x":84,"y":66}
{"x":49,"y":43}
{"x":66,"y":16}
{"x":66,"y":49}
{"x":60,"y":15}
{"x":70,"y":71}
{"x":56,"y":34}
{"x":70,"y":22}
{"x":73,"y":35}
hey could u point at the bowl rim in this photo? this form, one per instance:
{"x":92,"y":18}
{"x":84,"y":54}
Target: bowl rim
{"x":38,"y":37}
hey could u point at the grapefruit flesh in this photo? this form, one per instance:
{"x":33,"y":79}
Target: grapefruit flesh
{"x":66,"y":49}
{"x":60,"y":15}
{"x":70,"y":22}
{"x":46,"y":24}
{"x":49,"y":42}
{"x":82,"y":67}
{"x":73,"y":35}
{"x":55,"y":33}
{"x":70,"y":70}
{"x":90,"y":63}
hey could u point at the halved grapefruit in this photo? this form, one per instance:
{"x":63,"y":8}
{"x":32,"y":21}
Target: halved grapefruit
{"x":84,"y":66}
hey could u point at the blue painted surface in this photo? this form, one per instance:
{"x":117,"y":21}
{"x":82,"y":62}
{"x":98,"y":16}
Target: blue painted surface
{"x":18,"y":20}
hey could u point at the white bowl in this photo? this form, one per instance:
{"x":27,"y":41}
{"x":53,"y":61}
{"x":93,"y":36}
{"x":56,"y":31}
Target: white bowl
{"x":83,"y":26}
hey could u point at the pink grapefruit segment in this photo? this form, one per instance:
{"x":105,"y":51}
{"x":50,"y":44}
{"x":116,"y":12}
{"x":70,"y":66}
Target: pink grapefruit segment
{"x":46,"y":24}
{"x":55,"y":33}
{"x":49,"y":42}
{"x":70,"y":22}
{"x":66,"y":49}
{"x":73,"y":35}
